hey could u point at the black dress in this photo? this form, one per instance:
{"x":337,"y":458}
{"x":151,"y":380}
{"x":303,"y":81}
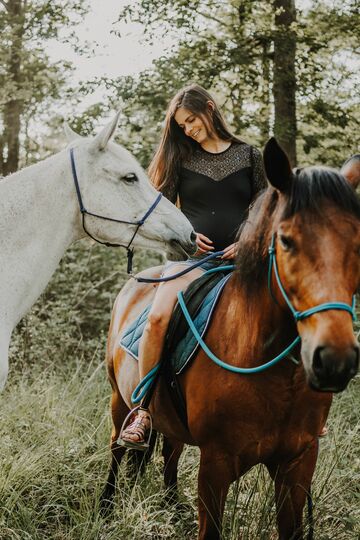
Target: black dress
{"x":215,"y":190}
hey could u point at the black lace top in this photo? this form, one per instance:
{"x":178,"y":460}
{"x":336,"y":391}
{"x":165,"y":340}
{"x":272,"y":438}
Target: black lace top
{"x":215,"y":190}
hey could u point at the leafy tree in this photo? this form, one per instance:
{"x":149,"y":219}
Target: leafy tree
{"x":27,"y":77}
{"x":271,"y":68}
{"x":328,"y":78}
{"x":284,"y":79}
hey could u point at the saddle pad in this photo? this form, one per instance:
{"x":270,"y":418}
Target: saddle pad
{"x":186,"y":348}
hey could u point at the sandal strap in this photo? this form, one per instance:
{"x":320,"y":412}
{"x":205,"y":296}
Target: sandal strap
{"x":137,"y":427}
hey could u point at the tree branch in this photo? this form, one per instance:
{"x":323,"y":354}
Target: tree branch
{"x":212,"y":18}
{"x":4,"y":4}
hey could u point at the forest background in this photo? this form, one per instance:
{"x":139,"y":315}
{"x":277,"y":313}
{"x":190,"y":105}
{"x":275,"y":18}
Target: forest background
{"x":286,"y":67}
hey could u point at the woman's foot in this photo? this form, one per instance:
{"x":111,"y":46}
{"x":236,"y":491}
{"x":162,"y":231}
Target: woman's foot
{"x":136,"y":434}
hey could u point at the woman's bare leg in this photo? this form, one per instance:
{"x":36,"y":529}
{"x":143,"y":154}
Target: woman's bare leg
{"x":152,"y":341}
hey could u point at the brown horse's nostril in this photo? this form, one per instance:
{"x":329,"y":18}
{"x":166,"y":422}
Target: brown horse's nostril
{"x":333,"y":370}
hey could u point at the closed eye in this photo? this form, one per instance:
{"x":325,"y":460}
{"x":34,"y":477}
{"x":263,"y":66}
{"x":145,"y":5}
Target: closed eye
{"x":189,"y":120}
{"x":130,"y":178}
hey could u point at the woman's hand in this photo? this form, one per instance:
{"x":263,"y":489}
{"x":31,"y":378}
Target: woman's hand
{"x":230,"y":251}
{"x":203,"y":243}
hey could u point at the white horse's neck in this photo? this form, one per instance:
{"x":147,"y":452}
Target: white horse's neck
{"x":39,"y":219}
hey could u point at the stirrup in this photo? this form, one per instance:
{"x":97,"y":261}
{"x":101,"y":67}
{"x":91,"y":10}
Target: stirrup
{"x":141,"y":446}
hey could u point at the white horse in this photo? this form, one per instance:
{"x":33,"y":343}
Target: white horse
{"x":40,"y":217}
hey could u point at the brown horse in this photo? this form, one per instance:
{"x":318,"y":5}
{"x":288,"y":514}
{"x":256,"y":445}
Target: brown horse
{"x":273,"y":417}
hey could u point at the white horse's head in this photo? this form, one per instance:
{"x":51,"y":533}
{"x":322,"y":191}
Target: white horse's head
{"x":114,"y":185}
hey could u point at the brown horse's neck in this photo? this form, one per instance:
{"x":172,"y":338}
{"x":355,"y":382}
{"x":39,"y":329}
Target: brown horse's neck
{"x":253,"y":319}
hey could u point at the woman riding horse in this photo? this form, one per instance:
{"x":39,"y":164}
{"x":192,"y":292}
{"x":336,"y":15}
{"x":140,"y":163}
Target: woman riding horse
{"x":215,"y":176}
{"x":296,"y":273}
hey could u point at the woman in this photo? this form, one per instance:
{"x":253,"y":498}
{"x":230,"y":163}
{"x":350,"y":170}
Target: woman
{"x":214,"y":176}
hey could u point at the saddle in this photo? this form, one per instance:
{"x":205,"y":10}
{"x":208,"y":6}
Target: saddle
{"x":180,"y":345}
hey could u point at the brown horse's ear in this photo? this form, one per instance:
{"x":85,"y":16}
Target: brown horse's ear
{"x":277,"y":166}
{"x":351,"y":170}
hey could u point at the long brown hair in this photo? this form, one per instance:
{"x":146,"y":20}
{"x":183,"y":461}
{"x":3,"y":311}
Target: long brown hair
{"x":174,"y":145}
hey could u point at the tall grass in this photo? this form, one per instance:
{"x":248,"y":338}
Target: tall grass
{"x":55,"y":426}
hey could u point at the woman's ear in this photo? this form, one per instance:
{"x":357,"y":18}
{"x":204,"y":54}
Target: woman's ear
{"x":351,"y":170}
{"x":211,"y":106}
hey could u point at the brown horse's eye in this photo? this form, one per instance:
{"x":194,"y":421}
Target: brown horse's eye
{"x":286,"y":242}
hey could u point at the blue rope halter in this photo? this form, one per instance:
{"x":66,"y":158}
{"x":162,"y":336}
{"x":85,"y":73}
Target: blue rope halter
{"x":300,"y":315}
{"x":142,"y":388}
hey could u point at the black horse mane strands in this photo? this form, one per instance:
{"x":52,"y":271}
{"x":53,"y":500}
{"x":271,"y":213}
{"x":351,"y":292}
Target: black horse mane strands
{"x":314,"y":185}
{"x":253,"y":237}
{"x":311,"y":187}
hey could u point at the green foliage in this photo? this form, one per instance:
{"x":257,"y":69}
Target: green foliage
{"x":29,"y":81}
{"x":228,"y":48}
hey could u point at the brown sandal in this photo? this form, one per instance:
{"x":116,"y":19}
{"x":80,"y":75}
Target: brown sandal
{"x":140,"y":426}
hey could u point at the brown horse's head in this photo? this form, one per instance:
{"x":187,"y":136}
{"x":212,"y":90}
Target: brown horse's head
{"x":316,"y":228}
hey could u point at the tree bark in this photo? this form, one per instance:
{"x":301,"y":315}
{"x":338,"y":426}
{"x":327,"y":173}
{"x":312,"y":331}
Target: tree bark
{"x":284,"y":77}
{"x":13,"y":107}
{"x":265,"y":92}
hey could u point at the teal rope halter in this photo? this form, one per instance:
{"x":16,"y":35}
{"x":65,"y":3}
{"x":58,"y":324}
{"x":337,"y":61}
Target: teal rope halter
{"x":300,"y":315}
{"x":142,"y":388}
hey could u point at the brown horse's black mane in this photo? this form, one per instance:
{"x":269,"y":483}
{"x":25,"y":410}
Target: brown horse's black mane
{"x":314,"y":185}
{"x":311,"y":187}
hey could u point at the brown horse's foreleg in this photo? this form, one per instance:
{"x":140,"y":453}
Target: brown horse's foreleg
{"x":119,"y":411}
{"x":216,"y":473}
{"x":171,"y":452}
{"x":292,"y":485}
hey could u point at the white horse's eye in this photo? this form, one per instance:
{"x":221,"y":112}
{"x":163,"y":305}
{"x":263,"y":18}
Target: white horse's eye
{"x":130,"y":178}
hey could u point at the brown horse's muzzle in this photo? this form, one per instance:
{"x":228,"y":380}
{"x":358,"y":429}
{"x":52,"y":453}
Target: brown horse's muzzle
{"x":332,"y":368}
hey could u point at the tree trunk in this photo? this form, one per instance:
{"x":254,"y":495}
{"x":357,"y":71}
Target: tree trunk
{"x":13,"y":107}
{"x":265,"y":93}
{"x":284,"y":81}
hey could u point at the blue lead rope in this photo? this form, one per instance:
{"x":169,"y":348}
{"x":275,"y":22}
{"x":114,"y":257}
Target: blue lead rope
{"x":142,"y":388}
{"x":213,"y":255}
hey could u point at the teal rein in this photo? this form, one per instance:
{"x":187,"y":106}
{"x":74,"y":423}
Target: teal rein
{"x":229,"y":367}
{"x":144,"y":385}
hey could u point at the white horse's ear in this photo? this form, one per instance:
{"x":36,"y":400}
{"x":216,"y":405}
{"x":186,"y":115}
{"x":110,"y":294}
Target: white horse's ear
{"x":101,"y":140}
{"x":70,"y":133}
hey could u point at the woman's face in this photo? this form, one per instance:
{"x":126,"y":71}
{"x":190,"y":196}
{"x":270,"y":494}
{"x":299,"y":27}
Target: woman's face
{"x":192,"y":125}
